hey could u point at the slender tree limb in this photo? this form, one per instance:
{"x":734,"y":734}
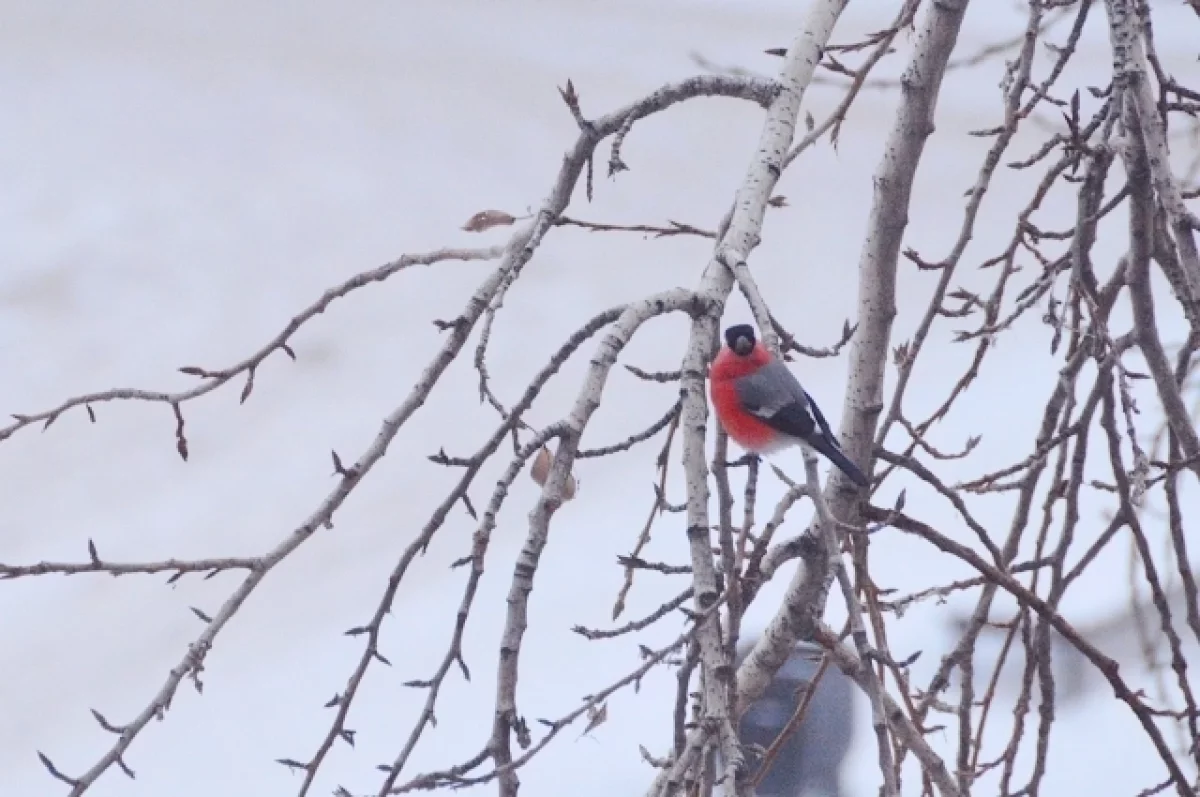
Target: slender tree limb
{"x":1141,"y":236}
{"x":736,"y":240}
{"x":215,"y":379}
{"x":805,"y":598}
{"x":1107,"y":667}
{"x":1130,"y":76}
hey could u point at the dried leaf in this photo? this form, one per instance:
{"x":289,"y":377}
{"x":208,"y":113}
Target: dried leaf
{"x":521,"y":729}
{"x":540,"y":472}
{"x":596,"y":718}
{"x":540,"y":469}
{"x":487,"y":219}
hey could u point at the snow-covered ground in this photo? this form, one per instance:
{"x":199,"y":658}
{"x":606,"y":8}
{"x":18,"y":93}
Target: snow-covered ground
{"x":177,"y":181}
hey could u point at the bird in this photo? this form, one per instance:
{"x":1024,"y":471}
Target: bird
{"x":810,"y":759}
{"x":763,"y":407}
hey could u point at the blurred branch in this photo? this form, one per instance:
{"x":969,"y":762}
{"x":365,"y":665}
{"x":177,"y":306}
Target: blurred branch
{"x":1107,"y":667}
{"x":1130,"y":76}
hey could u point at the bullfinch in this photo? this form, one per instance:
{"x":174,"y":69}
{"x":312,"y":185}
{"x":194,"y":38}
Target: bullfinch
{"x":762,"y":406}
{"x":809,"y":760}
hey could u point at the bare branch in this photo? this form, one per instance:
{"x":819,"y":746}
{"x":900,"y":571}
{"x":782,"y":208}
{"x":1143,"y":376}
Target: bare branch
{"x":1130,"y":76}
{"x":215,"y":379}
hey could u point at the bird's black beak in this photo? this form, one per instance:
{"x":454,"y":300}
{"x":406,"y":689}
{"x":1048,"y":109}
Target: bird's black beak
{"x":743,"y":346}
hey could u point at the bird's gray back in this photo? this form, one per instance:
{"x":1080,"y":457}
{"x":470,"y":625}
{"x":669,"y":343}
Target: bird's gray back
{"x":770,"y":388}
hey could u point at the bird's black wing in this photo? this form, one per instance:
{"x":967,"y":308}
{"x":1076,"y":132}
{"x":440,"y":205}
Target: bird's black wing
{"x":821,"y":422}
{"x":773,"y":395}
{"x":791,"y":419}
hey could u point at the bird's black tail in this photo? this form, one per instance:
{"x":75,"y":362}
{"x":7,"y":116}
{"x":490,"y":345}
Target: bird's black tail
{"x":830,"y":449}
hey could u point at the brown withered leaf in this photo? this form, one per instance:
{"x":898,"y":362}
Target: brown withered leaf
{"x":540,"y":468}
{"x":540,"y":471}
{"x":596,"y":718}
{"x":487,"y":219}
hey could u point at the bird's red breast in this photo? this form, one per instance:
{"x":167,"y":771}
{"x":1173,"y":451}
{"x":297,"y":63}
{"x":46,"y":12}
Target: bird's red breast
{"x":748,"y":431}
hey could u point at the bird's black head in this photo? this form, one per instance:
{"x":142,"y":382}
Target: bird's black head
{"x":740,"y":338}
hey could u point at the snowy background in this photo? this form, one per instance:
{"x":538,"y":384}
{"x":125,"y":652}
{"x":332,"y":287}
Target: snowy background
{"x":177,"y":181}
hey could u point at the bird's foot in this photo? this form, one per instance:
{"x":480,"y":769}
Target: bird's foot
{"x":744,"y":461}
